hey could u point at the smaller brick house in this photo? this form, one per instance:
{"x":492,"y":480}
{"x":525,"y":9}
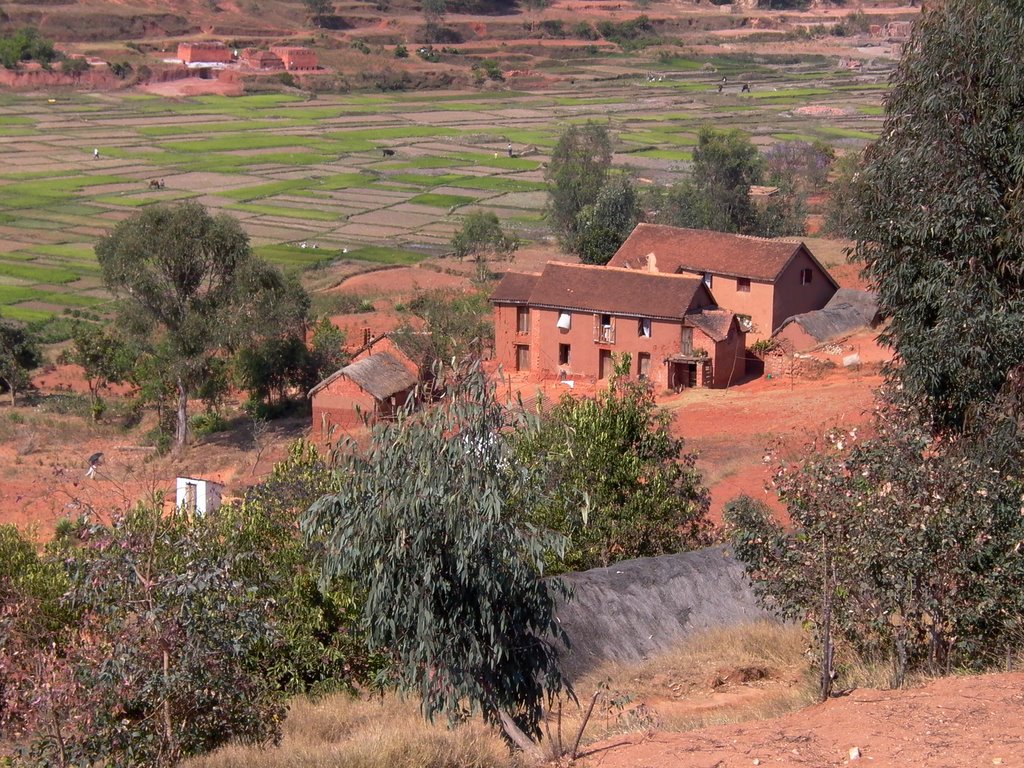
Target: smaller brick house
{"x":253,"y":58}
{"x":763,"y":281}
{"x":376,"y":384}
{"x":296,"y":58}
{"x":571,"y":320}
{"x":206,"y":52}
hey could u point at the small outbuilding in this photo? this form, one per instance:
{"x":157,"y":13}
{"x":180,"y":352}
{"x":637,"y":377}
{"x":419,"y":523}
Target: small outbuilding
{"x":296,"y":58}
{"x":195,"y":496}
{"x":373,"y":387}
{"x":206,"y":52}
{"x":253,"y":58}
{"x":847,"y":311}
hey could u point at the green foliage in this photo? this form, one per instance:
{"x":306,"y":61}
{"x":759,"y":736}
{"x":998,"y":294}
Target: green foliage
{"x":902,"y":547}
{"x":318,"y":9}
{"x":490,"y":69}
{"x":629,"y":35}
{"x":104,"y":357}
{"x":401,"y":52}
{"x":26,"y":45}
{"x":940,"y":232}
{"x":434,"y":11}
{"x":576,"y":174}
{"x":423,"y":525}
{"x":856,"y":23}
{"x":159,"y":665}
{"x":584,"y":30}
{"x":604,"y":226}
{"x":74,"y":66}
{"x":269,"y":369}
{"x":191,"y":288}
{"x":19,"y":354}
{"x":482,"y":235}
{"x":613,"y":479}
{"x":455,"y":325}
{"x":841,"y":211}
{"x":327,"y":348}
{"x":121,"y":69}
{"x":725,"y":165}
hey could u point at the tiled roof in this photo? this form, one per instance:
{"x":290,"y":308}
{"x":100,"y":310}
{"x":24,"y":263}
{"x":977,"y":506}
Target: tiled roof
{"x":617,"y":291}
{"x":700,"y":250}
{"x":515,"y":288}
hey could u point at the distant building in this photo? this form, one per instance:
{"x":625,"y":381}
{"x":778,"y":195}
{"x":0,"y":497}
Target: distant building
{"x":205,"y":52}
{"x":571,"y":321}
{"x":296,"y":58}
{"x":197,"y":497}
{"x":254,"y":58}
{"x":763,"y":281}
{"x":378,"y":382}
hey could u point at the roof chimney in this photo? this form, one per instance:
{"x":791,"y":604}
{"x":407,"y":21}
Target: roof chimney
{"x":652,"y":262}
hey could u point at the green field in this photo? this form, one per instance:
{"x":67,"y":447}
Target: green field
{"x":358,"y":174}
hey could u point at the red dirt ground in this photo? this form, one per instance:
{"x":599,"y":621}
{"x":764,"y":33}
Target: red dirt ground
{"x":952,"y":722}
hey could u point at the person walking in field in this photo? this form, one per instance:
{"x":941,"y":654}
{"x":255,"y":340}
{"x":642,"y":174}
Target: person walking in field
{"x":96,"y":154}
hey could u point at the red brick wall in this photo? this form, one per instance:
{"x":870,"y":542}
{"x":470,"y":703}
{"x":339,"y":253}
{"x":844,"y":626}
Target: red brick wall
{"x":792,"y":298}
{"x":758,"y":302}
{"x":192,"y":52}
{"x":335,"y":405}
{"x":296,"y":58}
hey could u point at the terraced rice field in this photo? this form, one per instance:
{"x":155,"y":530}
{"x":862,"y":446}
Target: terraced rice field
{"x":371,"y":179}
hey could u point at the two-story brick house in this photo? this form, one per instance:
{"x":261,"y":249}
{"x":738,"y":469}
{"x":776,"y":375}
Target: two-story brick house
{"x":763,"y":281}
{"x":571,"y":320}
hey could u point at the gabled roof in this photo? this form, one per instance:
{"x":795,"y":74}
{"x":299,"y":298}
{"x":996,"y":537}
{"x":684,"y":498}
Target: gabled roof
{"x":515,"y":288}
{"x":623,"y":292}
{"x":381,"y":375}
{"x":716,"y":323}
{"x":701,"y":250}
{"x":847,"y":311}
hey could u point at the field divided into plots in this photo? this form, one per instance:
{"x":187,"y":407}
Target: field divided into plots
{"x":368,"y":180}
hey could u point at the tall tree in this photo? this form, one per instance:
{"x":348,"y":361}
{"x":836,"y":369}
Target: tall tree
{"x":424,"y":525}
{"x":191,"y":288}
{"x":725,"y":165}
{"x":941,"y":234}
{"x":577,"y":172}
{"x":602,"y":227}
{"x":18,"y":355}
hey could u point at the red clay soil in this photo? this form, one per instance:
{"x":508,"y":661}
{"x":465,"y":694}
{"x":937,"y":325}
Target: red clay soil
{"x":400,"y":283}
{"x":954,"y":722}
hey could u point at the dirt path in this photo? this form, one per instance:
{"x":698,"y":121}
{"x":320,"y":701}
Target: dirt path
{"x":955,"y":722}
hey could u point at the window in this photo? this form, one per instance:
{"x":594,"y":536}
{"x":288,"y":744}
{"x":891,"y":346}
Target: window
{"x":564,"y":320}
{"x":643,"y":365}
{"x":522,"y":357}
{"x":604,"y":329}
{"x":643,"y":328}
{"x":805,"y":276}
{"x":708,"y":279}
{"x":743,"y":285}
{"x":563,"y":354}
{"x":522,"y":319}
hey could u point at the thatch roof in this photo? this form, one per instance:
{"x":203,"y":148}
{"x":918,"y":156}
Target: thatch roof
{"x":847,"y":311}
{"x":381,"y":375}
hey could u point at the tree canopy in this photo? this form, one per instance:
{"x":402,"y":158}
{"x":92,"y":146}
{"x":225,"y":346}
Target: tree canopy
{"x":577,"y":172}
{"x":614,"y":480}
{"x":190,"y":287}
{"x":19,"y":354}
{"x":940,"y":207}
{"x":424,"y":525}
{"x":604,"y":226}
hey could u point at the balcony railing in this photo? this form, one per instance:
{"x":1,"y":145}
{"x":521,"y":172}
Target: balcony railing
{"x":604,"y":334}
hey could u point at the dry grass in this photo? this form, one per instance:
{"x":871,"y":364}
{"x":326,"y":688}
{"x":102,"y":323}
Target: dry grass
{"x":389,"y":732}
{"x":727,"y":675}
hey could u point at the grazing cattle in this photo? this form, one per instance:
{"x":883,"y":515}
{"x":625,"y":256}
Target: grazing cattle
{"x":156,"y":184}
{"x":387,"y":153}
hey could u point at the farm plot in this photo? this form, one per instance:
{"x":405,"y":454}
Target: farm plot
{"x":368,"y":179}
